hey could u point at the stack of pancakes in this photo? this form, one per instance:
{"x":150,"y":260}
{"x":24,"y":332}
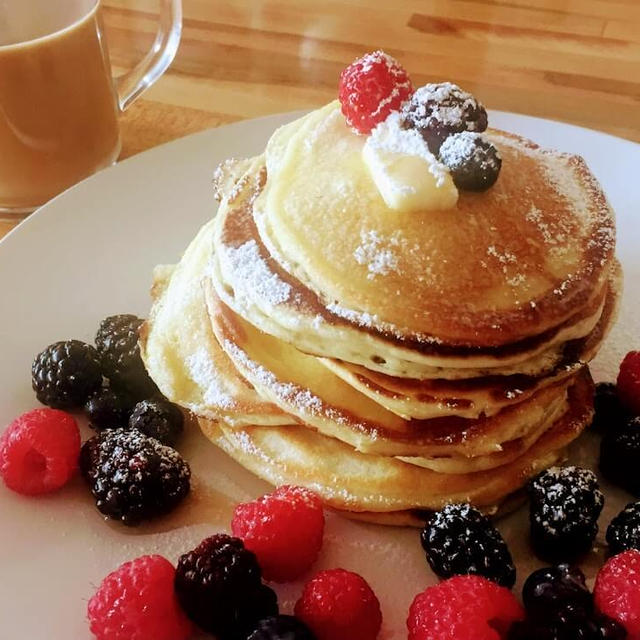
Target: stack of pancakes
{"x":392,"y":362}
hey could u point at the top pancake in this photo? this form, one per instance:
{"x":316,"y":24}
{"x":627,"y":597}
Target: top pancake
{"x":251,"y":281}
{"x":503,"y":265}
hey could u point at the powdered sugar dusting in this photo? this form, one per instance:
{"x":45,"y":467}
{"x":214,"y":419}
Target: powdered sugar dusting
{"x":376,"y":57}
{"x":322,"y":128}
{"x":243,"y":439}
{"x":446,"y":103}
{"x":377,"y":255}
{"x":581,"y":191}
{"x":224,"y":185}
{"x":392,"y":97}
{"x":298,"y":399}
{"x":203,"y":373}
{"x":391,"y":136}
{"x":361,"y":318}
{"x":292,"y":394}
{"x":571,"y":498}
{"x":504,"y":257}
{"x":562,"y":175}
{"x":534,"y":215}
{"x":458,"y":149}
{"x":372,"y":321}
{"x":251,"y":269}
{"x":508,"y":262}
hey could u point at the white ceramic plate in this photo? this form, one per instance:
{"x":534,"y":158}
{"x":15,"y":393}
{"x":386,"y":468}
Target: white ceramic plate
{"x":88,"y":254}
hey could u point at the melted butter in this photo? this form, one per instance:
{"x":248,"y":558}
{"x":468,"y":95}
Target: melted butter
{"x":407,"y":175}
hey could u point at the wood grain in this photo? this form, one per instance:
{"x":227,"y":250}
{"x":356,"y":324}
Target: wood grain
{"x":572,"y":60}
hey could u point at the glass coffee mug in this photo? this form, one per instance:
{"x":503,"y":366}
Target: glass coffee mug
{"x":59,"y":105}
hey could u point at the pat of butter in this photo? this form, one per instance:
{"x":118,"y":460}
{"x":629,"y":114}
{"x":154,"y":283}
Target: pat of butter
{"x":407,"y":175}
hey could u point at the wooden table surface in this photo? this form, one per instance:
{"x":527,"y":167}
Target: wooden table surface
{"x":571,"y":60}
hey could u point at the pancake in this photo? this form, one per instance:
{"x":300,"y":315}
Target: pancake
{"x":352,"y":481}
{"x":391,"y":361}
{"x":473,"y":397}
{"x":509,"y":451}
{"x":304,"y":388}
{"x":179,"y":327}
{"x":494,"y":270}
{"x":252,"y":282}
{"x":182,"y":355}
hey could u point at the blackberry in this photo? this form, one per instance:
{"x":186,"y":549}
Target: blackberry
{"x":117,"y":344}
{"x":254,"y":606}
{"x":133,"y":477}
{"x":620,"y":456}
{"x":437,"y":111}
{"x":107,"y":409}
{"x":624,"y":531}
{"x":219,"y":586}
{"x":159,"y":419}
{"x":610,"y":629}
{"x":564,"y":507}
{"x":65,"y":374}
{"x":554,"y":588}
{"x":570,"y":623}
{"x":281,"y":627}
{"x":610,"y":414}
{"x":460,"y":540}
{"x":474,"y":162}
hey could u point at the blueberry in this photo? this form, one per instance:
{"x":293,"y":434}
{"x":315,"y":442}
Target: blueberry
{"x":553,"y":588}
{"x":474,"y":163}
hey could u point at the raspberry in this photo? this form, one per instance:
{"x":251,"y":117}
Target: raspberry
{"x":474,"y":162}
{"x":65,"y":374}
{"x":463,"y":608}
{"x":159,"y":419}
{"x":137,"y":602}
{"x":117,"y":344}
{"x":284,"y":529}
{"x":371,"y":88}
{"x":39,"y":451}
{"x":629,"y":382}
{"x":219,"y":586}
{"x":564,"y":510}
{"x":617,"y":591}
{"x":460,"y":540}
{"x":107,"y":409}
{"x":624,"y":531}
{"x":339,"y":605}
{"x":133,"y":477}
{"x":281,"y":628}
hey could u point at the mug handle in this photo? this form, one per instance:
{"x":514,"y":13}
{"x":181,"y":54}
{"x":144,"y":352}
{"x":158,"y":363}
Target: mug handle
{"x":133,"y":83}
